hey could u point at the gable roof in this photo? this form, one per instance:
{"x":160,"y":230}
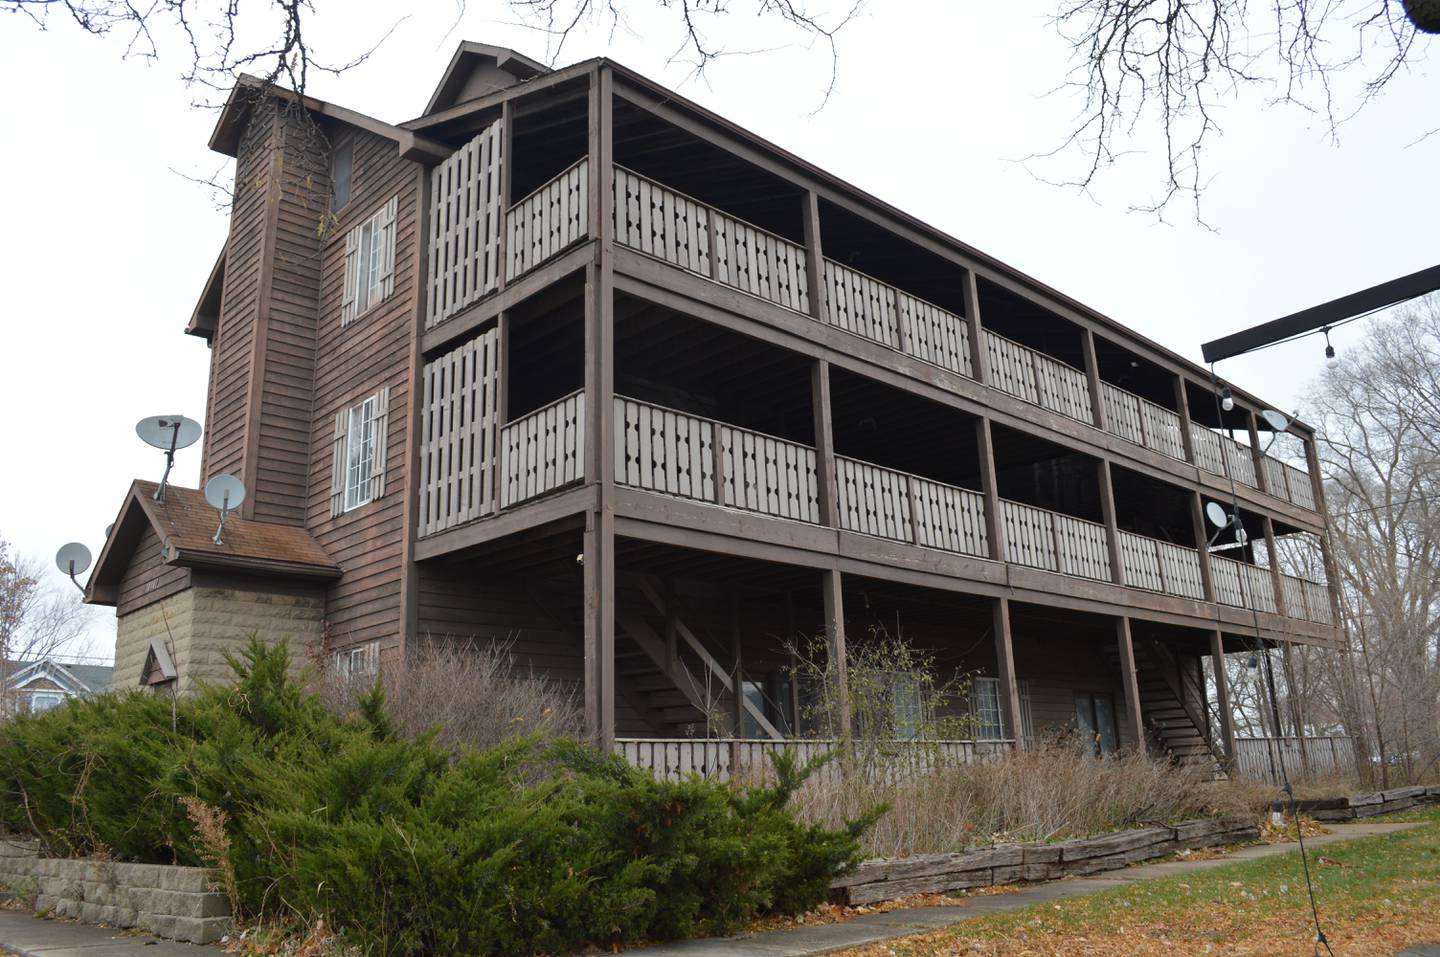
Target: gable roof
{"x":186,"y":524}
{"x":75,"y":679}
{"x":479,"y":68}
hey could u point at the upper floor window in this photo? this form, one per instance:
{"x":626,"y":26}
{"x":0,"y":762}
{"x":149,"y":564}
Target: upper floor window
{"x":369,"y":262}
{"x":342,"y":165}
{"x":358,"y":471}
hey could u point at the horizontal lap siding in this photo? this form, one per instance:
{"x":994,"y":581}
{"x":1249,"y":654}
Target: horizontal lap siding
{"x":148,"y":579}
{"x":372,"y":351}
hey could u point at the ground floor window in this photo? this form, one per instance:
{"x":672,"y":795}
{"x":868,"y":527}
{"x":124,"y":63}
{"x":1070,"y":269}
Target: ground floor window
{"x":989,"y":715}
{"x":1095,"y":720}
{"x":45,"y":700}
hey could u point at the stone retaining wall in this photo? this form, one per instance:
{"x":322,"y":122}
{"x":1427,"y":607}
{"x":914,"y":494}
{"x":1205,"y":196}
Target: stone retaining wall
{"x":884,"y":880}
{"x":1369,"y":805}
{"x":167,"y":901}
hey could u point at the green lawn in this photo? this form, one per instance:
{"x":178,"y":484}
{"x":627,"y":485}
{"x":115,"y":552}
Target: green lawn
{"x":1376,"y":896}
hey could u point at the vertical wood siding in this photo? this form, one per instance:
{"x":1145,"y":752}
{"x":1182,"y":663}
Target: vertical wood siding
{"x":353,"y":362}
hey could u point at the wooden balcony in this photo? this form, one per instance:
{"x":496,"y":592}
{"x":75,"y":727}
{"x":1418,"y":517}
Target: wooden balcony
{"x":874,"y":500}
{"x":1142,"y":422}
{"x":1055,"y":542}
{"x":1164,"y":567}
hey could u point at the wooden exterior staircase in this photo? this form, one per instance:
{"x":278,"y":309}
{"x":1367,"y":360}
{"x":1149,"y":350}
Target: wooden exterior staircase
{"x":1175,"y":708}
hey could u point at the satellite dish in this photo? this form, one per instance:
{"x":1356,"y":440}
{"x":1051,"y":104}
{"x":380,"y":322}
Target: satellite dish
{"x":73,"y":559}
{"x":1276,"y":420}
{"x":108,"y":529}
{"x":224,"y":492}
{"x":1216,"y":514}
{"x":167,"y":432}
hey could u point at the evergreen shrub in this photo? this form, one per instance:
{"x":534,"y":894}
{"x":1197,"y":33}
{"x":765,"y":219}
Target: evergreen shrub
{"x":538,"y":845}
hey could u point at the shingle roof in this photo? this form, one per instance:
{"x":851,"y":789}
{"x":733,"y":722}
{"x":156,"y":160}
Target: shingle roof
{"x":185,"y":524}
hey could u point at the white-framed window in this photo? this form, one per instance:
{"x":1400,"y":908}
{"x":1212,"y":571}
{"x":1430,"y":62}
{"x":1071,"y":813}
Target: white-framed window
{"x":45,"y":700}
{"x":369,"y":262}
{"x":361,"y":661}
{"x":989,"y":715}
{"x":358,"y":470}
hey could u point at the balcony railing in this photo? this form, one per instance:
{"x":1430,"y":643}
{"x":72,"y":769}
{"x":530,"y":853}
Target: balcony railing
{"x":1154,"y":565}
{"x":669,"y":225}
{"x":459,"y":426}
{"x":1241,"y":585}
{"x":1055,"y":542}
{"x":748,"y":759}
{"x":543,"y":451}
{"x":1306,"y":599}
{"x":549,"y":220}
{"x":877,"y":311}
{"x":1142,"y":422}
{"x":1037,"y":378}
{"x":907,"y":508}
{"x":675,"y":453}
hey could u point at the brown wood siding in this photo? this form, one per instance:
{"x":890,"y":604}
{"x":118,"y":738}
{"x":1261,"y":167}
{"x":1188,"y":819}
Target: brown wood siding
{"x":352,"y":363}
{"x":282,"y":448}
{"x":228,"y":417}
{"x":540,"y":624}
{"x":148,"y":579}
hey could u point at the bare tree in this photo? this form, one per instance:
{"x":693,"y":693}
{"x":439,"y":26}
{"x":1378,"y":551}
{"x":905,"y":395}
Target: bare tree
{"x":37,"y":619}
{"x":1379,"y":418}
{"x":1156,"y":69}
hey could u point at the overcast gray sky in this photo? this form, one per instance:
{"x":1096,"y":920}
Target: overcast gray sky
{"x":107,"y":246}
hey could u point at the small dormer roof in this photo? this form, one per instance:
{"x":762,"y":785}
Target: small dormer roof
{"x":479,"y":68}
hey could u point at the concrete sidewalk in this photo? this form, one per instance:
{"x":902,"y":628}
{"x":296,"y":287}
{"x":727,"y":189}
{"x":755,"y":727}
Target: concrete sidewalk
{"x":30,"y":936}
{"x":873,"y":928}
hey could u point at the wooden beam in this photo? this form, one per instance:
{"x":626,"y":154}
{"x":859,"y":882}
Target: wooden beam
{"x":410,"y":582}
{"x":1222,"y":698}
{"x":832,"y":595}
{"x":737,"y":680}
{"x":990,"y":488}
{"x":1327,"y":558}
{"x":1129,"y":681}
{"x":1092,"y":377}
{"x":599,"y":603}
{"x":507,"y":175}
{"x":979,"y":355}
{"x":1274,"y":560}
{"x":1202,"y":544}
{"x":1005,"y":667}
{"x":814,"y":258}
{"x":1182,"y":408}
{"x":824,"y":443}
{"x":1112,"y":530}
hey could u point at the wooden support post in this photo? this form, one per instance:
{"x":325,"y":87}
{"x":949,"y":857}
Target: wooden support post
{"x":1129,"y":681}
{"x":1092,"y":375}
{"x":1202,"y":544}
{"x":502,"y":401}
{"x":737,"y":672}
{"x":1222,"y":698}
{"x":814,"y":258}
{"x":1262,"y":481}
{"x":1276,"y":582}
{"x":1112,"y":530}
{"x":826,"y":477}
{"x":507,"y":167}
{"x":989,"y":487}
{"x":830,"y":589}
{"x":1005,"y":667}
{"x":599,"y":550}
{"x":1332,"y":577}
{"x":1182,"y":408}
{"x":599,"y":557}
{"x":979,"y":356}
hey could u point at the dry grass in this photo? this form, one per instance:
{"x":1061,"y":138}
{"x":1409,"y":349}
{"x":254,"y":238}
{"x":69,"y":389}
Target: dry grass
{"x":1053,"y":792}
{"x":473,"y":695}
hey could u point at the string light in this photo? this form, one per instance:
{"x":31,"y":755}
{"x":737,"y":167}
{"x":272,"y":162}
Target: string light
{"x":1330,"y":360}
{"x":1227,"y":400}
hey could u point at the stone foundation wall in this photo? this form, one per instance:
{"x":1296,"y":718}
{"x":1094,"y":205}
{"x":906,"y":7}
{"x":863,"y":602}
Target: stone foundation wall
{"x":876,"y":881}
{"x":1369,"y":805}
{"x":167,"y":901}
{"x":203,"y":623}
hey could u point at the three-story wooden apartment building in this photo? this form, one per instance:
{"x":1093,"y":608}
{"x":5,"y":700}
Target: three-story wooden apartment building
{"x":572,"y":363}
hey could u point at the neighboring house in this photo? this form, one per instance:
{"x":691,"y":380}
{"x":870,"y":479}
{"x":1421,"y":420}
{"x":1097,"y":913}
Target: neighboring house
{"x":572,"y":362}
{"x":41,"y":685}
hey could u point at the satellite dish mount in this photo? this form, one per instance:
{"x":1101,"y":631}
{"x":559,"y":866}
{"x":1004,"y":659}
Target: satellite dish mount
{"x":224,"y":493}
{"x":168,"y":433}
{"x":73,"y":559}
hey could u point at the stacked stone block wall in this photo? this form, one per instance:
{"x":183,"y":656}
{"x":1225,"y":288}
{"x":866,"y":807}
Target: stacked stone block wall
{"x":202,"y":624}
{"x":167,"y":901}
